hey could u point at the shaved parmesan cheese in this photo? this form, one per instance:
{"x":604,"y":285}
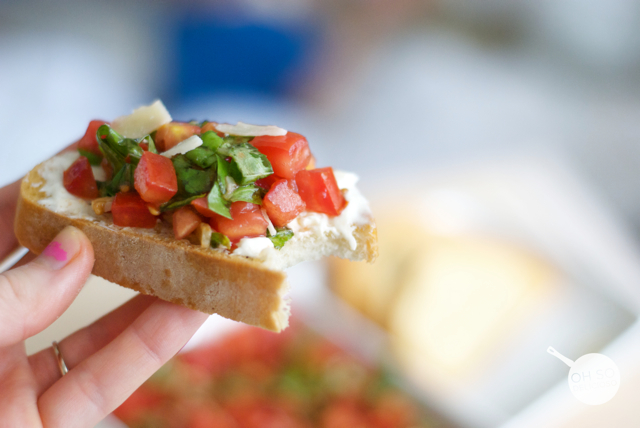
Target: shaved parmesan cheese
{"x":183,"y":146}
{"x":247,"y":130}
{"x":144,"y":120}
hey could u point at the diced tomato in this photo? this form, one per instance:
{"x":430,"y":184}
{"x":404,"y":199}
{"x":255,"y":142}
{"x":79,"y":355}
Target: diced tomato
{"x":108,"y":169}
{"x":155,"y":178}
{"x":267,"y":182}
{"x":247,"y":222}
{"x":283,"y":203}
{"x":129,"y":210}
{"x":144,"y":146}
{"x":185,"y":221}
{"x":88,"y":142}
{"x":170,"y":134}
{"x":211,"y":126}
{"x":79,"y":181}
{"x":202,"y":206}
{"x":319,"y":190}
{"x":288,"y":154}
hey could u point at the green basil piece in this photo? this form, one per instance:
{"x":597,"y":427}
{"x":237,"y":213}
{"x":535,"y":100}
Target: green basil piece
{"x":191,"y":181}
{"x":134,"y":151}
{"x":235,"y":139}
{"x":124,"y":176}
{"x":219,"y":239}
{"x":250,"y":163}
{"x":151,"y":143}
{"x":248,"y":193}
{"x":281,"y":237}
{"x":211,"y":140}
{"x":106,"y":147}
{"x":176,"y":203}
{"x":202,"y":156}
{"x":117,"y":149}
{"x":217,"y":203}
{"x":223,"y":171}
{"x":111,"y":137}
{"x":93,"y":158}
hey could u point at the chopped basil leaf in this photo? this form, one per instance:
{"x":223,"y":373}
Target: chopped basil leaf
{"x":218,"y":239}
{"x":124,"y":176}
{"x":113,"y":157}
{"x":217,"y":203}
{"x":247,"y":193}
{"x":211,"y":140}
{"x":116,"y":148}
{"x":223,"y":172}
{"x":190,"y":180}
{"x":250,"y":163}
{"x":152,"y":144}
{"x":134,"y":151}
{"x":235,"y":139}
{"x":281,"y":237}
{"x":202,"y":156}
{"x":93,"y":158}
{"x":111,"y":137}
{"x":175,"y":203}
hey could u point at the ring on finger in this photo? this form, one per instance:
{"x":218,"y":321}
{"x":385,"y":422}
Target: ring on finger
{"x":61,"y":364}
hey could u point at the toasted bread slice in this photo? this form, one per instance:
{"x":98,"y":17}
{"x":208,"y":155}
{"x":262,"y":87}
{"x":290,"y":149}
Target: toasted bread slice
{"x":152,"y":262}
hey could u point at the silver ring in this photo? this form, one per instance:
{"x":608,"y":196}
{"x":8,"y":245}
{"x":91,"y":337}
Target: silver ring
{"x":61,"y":365}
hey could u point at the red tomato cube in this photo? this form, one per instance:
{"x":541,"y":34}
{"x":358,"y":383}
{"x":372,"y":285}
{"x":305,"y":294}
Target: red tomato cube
{"x":319,"y":190}
{"x":79,"y":181}
{"x":129,"y":210}
{"x":288,"y":154}
{"x":283,"y":203}
{"x":155,"y":178}
{"x":248,"y":221}
{"x":89,"y":142}
{"x":267,"y":182}
{"x":185,"y":221}
{"x":202,"y":206}
{"x":170,"y":134}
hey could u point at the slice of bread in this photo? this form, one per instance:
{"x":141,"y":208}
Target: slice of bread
{"x":152,"y":262}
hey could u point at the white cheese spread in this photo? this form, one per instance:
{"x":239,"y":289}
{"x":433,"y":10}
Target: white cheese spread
{"x":58,"y":199}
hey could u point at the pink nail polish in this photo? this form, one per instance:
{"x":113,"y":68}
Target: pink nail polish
{"x":54,"y":249}
{"x":61,"y":250}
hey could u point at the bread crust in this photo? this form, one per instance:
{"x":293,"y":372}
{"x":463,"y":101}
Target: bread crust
{"x":207,"y":280}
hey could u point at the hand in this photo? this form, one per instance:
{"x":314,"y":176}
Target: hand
{"x":107,"y":360}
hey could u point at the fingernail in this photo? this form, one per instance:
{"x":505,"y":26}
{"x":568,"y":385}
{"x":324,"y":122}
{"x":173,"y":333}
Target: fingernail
{"x":61,"y":250}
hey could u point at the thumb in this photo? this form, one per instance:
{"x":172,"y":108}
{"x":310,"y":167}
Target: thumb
{"x":36,"y":294}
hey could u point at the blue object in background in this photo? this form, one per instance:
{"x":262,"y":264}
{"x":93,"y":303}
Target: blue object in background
{"x":221,"y":56}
